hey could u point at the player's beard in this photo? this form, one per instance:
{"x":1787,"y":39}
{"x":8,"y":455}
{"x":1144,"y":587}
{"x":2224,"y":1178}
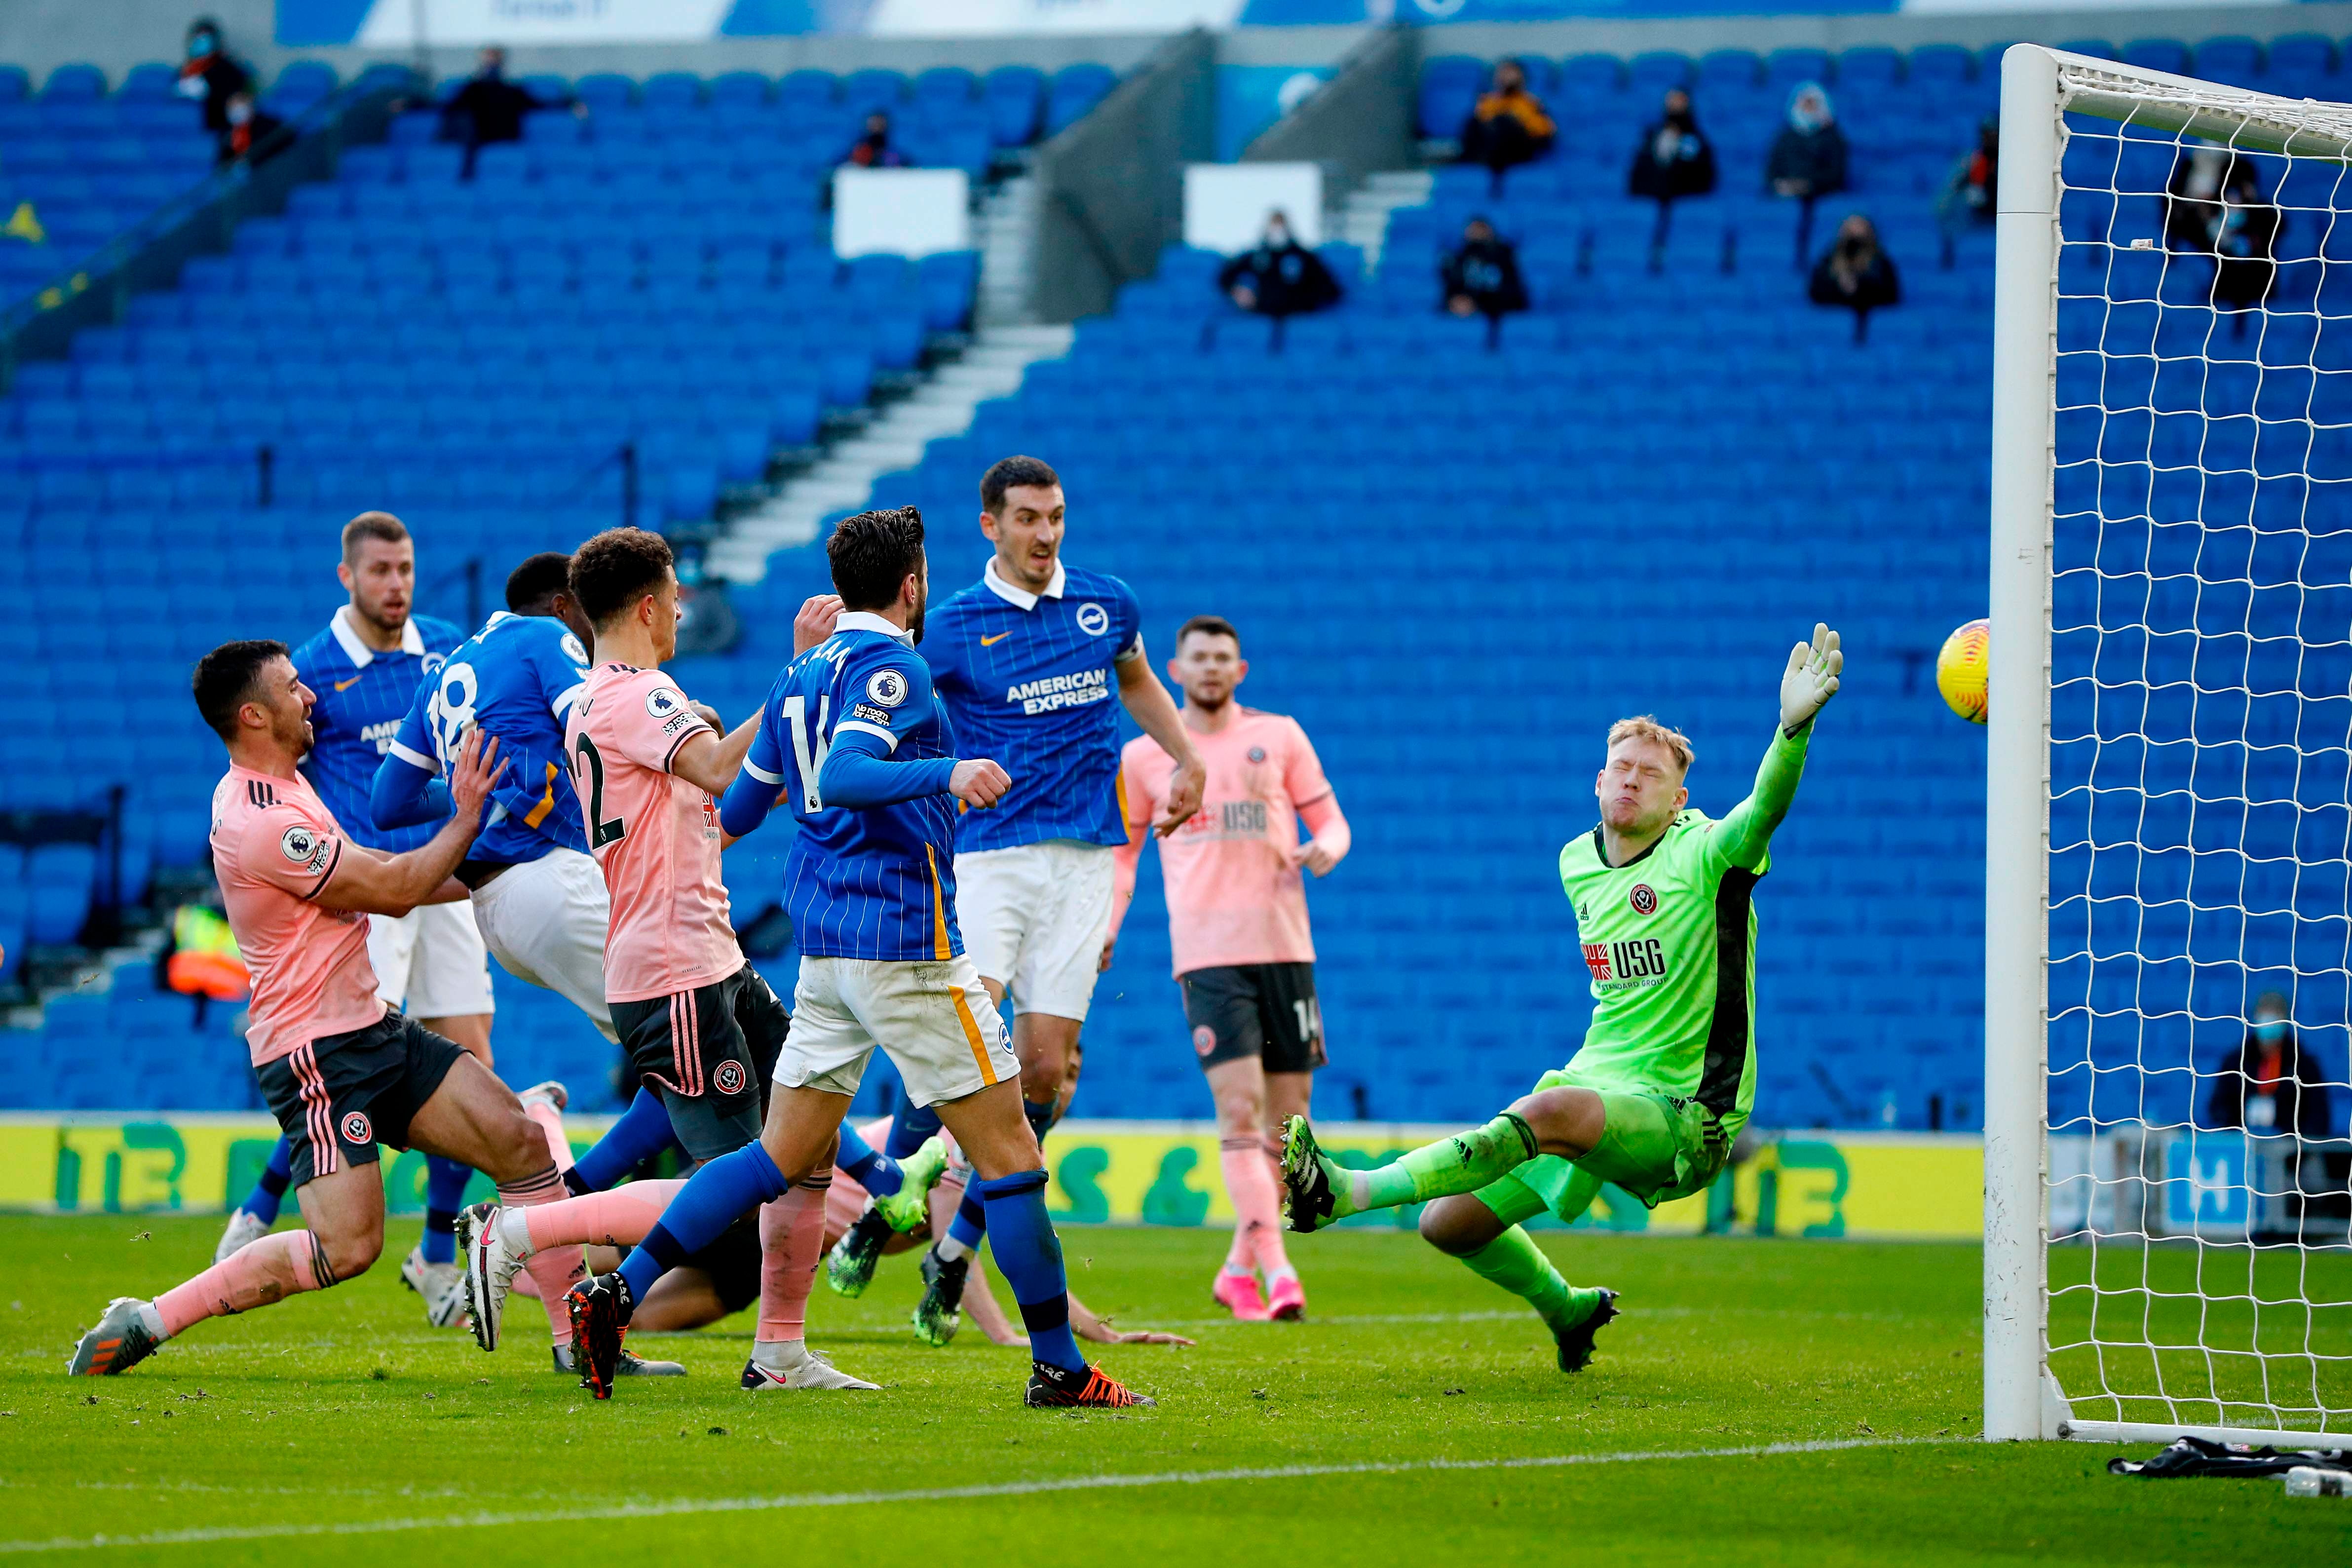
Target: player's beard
{"x":915,"y":621}
{"x":1215,"y":704}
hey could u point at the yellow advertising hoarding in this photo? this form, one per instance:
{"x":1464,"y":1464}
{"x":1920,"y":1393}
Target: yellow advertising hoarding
{"x":1798,"y":1184}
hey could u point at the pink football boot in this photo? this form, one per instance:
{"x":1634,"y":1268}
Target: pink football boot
{"x":1241,"y":1293}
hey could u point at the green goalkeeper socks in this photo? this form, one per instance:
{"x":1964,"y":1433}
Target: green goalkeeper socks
{"x":1513,"y":1261}
{"x":1462,"y":1164}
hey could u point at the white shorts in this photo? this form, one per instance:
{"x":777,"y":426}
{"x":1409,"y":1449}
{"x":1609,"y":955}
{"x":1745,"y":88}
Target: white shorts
{"x":1034,"y":918}
{"x":933,"y":1019}
{"x":545,"y":924}
{"x":430,"y":962}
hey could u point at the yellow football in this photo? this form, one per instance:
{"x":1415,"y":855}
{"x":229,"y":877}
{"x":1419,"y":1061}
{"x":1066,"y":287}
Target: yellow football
{"x":1961,"y":668}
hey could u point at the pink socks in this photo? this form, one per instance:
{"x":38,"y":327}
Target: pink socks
{"x":554,"y":1269}
{"x":1257,"y":1215}
{"x":616,"y":1218}
{"x":551,"y":1123}
{"x":792,"y":1236}
{"x":278,"y":1266}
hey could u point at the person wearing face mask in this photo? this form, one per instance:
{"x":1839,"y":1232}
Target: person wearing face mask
{"x":1855,"y":273}
{"x":1280,"y":276}
{"x":1509,"y":126}
{"x":1674,"y":158}
{"x":1481,"y":278}
{"x":251,"y":135}
{"x":208,"y":76}
{"x":1807,"y":160}
{"x":490,"y":108}
{"x":1809,"y":156}
{"x":2269,"y":1085}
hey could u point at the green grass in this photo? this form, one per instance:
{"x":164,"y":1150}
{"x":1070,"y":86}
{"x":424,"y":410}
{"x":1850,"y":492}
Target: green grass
{"x":346,"y":1408}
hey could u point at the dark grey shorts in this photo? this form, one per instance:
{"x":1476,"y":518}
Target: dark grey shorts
{"x":710,"y":1053}
{"x":340,"y":1095}
{"x":1263,"y":1010}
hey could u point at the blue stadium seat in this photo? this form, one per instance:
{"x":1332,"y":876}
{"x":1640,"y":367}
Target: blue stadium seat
{"x":1449,"y":86}
{"x":74,"y":84}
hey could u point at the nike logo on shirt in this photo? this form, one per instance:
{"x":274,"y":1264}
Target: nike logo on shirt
{"x":347,"y":685}
{"x":992,"y":642}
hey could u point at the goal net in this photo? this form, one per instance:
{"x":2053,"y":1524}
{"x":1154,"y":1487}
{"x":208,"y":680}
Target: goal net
{"x":2169,"y":1245}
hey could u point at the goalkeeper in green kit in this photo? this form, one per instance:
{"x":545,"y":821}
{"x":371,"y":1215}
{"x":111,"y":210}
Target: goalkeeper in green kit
{"x":1663,"y":1082}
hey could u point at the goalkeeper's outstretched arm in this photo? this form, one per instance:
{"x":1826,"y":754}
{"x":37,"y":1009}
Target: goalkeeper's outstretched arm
{"x":1807,"y":684}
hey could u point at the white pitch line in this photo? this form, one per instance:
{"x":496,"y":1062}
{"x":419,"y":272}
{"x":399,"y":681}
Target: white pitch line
{"x":660,"y":1508}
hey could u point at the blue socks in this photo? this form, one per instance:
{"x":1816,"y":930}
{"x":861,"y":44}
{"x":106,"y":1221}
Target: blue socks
{"x":1030,"y":1258}
{"x":876,"y":1172}
{"x":909,"y":1125}
{"x":713,"y":1198}
{"x":971,"y":1221}
{"x":445,"y":1193}
{"x":642,"y":1133}
{"x":271,"y":1190}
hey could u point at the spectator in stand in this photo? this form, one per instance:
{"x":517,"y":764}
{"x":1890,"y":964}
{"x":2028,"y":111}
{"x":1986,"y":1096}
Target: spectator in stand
{"x":1970,"y":198}
{"x":251,"y":136}
{"x":2269,"y":1085}
{"x":209,"y":76}
{"x":1509,"y":127}
{"x":1481,"y":278}
{"x":1809,"y":156}
{"x":2192,"y":197}
{"x":490,"y":108}
{"x":1856,"y":274}
{"x":1674,"y":158}
{"x":1807,"y":160}
{"x":2245,"y":242}
{"x":873,"y":150}
{"x":1280,"y":276}
{"x":2214,"y":203}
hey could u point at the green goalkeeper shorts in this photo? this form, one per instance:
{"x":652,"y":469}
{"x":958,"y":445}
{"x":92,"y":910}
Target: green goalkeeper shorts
{"x":1655,"y":1145}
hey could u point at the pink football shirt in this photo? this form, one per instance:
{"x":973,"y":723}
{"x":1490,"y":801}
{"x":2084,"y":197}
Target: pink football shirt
{"x":654,"y":833}
{"x":275,"y":844}
{"x":1233,"y":897}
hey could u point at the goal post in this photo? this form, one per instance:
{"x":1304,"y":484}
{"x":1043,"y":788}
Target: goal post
{"x":2169,"y":788}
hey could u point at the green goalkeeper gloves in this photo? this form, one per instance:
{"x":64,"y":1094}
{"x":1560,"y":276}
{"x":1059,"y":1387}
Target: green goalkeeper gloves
{"x":1811,"y":679}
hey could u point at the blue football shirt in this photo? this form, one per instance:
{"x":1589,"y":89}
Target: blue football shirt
{"x":876,"y":882}
{"x":1030,"y":681}
{"x":515,"y":678}
{"x":363,"y":695}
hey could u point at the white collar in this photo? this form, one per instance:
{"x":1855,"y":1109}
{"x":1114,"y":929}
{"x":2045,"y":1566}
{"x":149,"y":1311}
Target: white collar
{"x":412,"y":641}
{"x":868,"y":621}
{"x":1021,"y":598}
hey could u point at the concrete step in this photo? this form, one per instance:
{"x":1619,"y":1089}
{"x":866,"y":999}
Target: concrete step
{"x":1364,"y":221}
{"x":942,"y":404}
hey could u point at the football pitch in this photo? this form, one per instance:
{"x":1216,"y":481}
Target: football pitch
{"x":1759,"y":1402}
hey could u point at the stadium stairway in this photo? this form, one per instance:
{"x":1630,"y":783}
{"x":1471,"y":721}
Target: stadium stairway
{"x":941,"y":405}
